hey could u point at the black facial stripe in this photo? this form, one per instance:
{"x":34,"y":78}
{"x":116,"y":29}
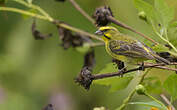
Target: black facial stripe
{"x":107,"y":37}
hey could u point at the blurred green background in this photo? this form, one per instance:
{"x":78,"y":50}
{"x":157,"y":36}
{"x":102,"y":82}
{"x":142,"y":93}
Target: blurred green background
{"x":34,"y":73}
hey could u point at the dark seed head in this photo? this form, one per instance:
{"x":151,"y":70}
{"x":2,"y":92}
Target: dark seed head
{"x":37,"y":34}
{"x":85,"y":78}
{"x":101,"y":14}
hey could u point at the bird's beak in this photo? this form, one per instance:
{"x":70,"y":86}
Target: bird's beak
{"x":98,"y":32}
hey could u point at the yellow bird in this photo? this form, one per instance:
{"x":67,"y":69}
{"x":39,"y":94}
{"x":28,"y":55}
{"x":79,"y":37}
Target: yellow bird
{"x":126,"y":49}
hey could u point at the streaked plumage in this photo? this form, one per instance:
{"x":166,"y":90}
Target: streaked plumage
{"x":125,"y":48}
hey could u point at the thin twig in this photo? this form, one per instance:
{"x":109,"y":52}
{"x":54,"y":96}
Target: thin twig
{"x":119,"y":73}
{"x":167,"y":101}
{"x":113,"y":20}
{"x":156,"y":100}
{"x":126,"y":100}
{"x":79,"y":31}
{"x":73,"y":2}
{"x":34,"y":7}
{"x":166,"y":40}
{"x":23,"y":12}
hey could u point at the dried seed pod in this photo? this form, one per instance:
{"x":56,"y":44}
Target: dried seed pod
{"x":37,"y":34}
{"x":85,"y":78}
{"x":66,"y":37}
{"x":101,"y":14}
{"x":89,"y":59}
{"x":119,"y":64}
{"x":168,"y":56}
{"x":69,"y":39}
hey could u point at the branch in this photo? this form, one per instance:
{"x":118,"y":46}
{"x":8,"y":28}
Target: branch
{"x":50,"y":19}
{"x":23,"y":12}
{"x":119,"y":73}
{"x":78,"y":30}
{"x":167,"y":101}
{"x":34,"y":7}
{"x":82,"y":11}
{"x":113,"y":20}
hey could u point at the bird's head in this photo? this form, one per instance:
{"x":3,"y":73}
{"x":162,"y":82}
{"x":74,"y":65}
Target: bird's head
{"x":107,"y":32}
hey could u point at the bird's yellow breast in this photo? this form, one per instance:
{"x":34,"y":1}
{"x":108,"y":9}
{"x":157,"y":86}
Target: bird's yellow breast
{"x":122,"y":57}
{"x":118,"y":57}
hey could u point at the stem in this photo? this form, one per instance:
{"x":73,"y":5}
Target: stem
{"x":34,"y":7}
{"x":79,"y":31}
{"x":23,"y":12}
{"x":166,"y":40}
{"x":50,"y":20}
{"x":113,"y":20}
{"x":82,"y":11}
{"x":159,"y":102}
{"x":166,"y":34}
{"x":125,"y":102}
{"x":167,"y":101}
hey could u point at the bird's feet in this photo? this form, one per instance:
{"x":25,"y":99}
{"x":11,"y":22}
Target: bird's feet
{"x":122,"y":71}
{"x":141,"y":67}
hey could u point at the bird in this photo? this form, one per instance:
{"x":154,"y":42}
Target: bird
{"x":126,"y":49}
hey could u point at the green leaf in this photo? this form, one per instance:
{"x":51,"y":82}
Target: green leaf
{"x":115,"y":83}
{"x":146,"y":7}
{"x":153,"y":85}
{"x":150,"y":104}
{"x":165,"y":13}
{"x":170,"y":85}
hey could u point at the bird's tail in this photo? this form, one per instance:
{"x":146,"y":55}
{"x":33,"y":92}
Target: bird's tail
{"x":160,"y":59}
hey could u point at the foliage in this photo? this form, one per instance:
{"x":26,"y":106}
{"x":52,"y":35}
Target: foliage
{"x":156,"y":14}
{"x":170,"y":86}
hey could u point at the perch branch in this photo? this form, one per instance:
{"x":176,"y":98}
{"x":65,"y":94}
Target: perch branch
{"x":119,"y":73}
{"x":29,"y":5}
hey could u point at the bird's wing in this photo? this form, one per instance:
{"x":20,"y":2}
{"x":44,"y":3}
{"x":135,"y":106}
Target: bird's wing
{"x":133,"y":49}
